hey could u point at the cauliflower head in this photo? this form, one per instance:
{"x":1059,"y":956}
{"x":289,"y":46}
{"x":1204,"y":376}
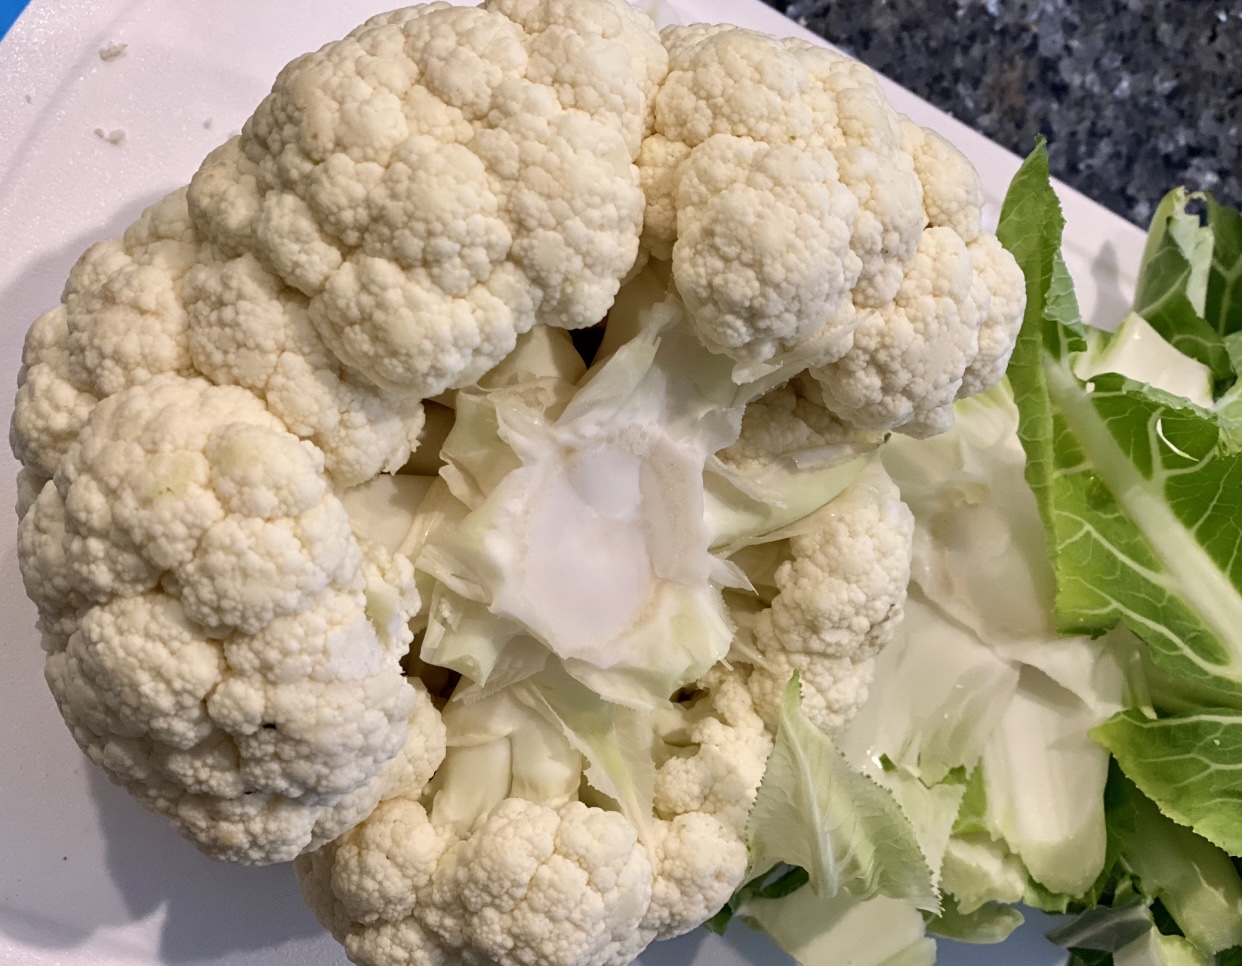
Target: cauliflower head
{"x":347,"y":552}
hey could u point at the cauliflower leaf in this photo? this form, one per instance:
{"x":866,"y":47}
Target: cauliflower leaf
{"x":816,"y":812}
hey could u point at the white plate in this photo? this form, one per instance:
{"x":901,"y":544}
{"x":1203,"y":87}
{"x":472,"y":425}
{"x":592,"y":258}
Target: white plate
{"x":87,"y":877}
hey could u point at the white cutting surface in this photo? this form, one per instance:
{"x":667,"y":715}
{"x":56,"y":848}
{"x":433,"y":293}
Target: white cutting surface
{"x":87,"y":877}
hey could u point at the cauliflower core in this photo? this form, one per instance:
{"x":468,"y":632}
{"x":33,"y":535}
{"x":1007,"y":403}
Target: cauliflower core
{"x":344,"y":553}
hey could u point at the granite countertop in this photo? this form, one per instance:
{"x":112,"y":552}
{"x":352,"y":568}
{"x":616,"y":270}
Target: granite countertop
{"x":1134,"y":96}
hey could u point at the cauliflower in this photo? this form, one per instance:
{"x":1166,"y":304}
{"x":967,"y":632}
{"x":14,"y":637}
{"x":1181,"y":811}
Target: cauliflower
{"x":347,"y":552}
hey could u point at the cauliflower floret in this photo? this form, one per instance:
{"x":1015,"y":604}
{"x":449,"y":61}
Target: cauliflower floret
{"x":204,"y":603}
{"x":121,"y":321}
{"x":379,"y":867}
{"x":806,"y":221}
{"x":998,"y":274}
{"x":160,"y":301}
{"x":699,"y":863}
{"x":539,"y":886}
{"x":719,"y":771}
{"x":763,"y":257}
{"x":125,"y":316}
{"x":248,"y":328}
{"x":911,"y":358}
{"x":533,"y":884}
{"x":786,"y":421}
{"x":262,"y":828}
{"x":50,"y":410}
{"x":952,"y":194}
{"x":818,"y":117}
{"x":440,"y":180}
{"x":529,"y":877}
{"x":839,"y":598}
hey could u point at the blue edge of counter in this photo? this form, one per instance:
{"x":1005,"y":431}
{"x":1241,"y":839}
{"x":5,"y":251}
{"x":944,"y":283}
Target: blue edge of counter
{"x":9,"y":12}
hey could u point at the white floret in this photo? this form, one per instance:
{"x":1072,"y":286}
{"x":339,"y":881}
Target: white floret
{"x":788,"y":420}
{"x":248,"y":328}
{"x":952,"y":194}
{"x":699,"y":863}
{"x":50,"y":410}
{"x":207,"y":611}
{"x":806,"y":102}
{"x":719,"y":771}
{"x":125,"y":317}
{"x":542,"y":886}
{"x":839,"y":597}
{"x":910,"y":356}
{"x":997,"y":273}
{"x":808,"y":224}
{"x":379,"y":867}
{"x":531,"y":884}
{"x":763,"y":259}
{"x":441,"y":179}
{"x":402,"y":943}
{"x":41,"y":559}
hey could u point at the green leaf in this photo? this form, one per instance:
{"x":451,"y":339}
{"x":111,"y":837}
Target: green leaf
{"x":1148,"y":517}
{"x":930,"y":811}
{"x":776,"y":883}
{"x":1141,"y":501}
{"x":1105,"y":929}
{"x":938,"y":694}
{"x":1230,"y":957}
{"x":1195,"y":883}
{"x":1190,"y":765}
{"x":990,"y":923}
{"x":1173,"y":282}
{"x":1229,"y":406}
{"x":1045,"y":784}
{"x":1223,"y":307}
{"x":979,"y":869}
{"x":1138,"y":351}
{"x":1223,"y":304}
{"x":973,"y":813}
{"x":719,"y":923}
{"x":1030,"y":227}
{"x":1156,"y":949}
{"x":1089,"y":957}
{"x":1121,"y":819}
{"x":815,"y":811}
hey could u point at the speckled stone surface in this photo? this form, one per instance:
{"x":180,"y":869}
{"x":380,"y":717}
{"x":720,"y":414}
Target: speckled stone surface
{"x":1135,"y":96}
